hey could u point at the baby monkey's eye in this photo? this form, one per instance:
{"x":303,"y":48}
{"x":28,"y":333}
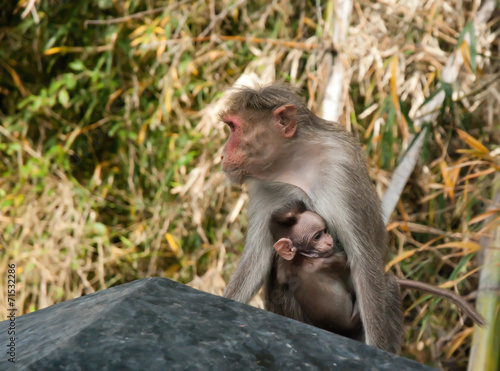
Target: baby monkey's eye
{"x":317,"y":236}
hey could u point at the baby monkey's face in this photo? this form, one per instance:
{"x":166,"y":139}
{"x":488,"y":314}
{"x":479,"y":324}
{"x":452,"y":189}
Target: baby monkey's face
{"x":310,"y":233}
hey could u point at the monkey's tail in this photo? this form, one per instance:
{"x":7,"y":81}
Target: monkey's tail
{"x":450,"y":295}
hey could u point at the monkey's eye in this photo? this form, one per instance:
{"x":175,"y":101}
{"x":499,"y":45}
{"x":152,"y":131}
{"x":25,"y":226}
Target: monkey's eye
{"x":231,"y":125}
{"x":317,"y":236}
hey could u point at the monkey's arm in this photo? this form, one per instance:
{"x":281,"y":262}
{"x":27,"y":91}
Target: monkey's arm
{"x":254,"y":266}
{"x":257,"y":258}
{"x":450,"y":295}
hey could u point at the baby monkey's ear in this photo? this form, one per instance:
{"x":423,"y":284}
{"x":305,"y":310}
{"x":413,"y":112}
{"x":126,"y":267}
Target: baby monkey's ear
{"x":284,"y":248}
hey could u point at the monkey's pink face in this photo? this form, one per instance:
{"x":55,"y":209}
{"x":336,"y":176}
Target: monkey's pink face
{"x":251,"y":149}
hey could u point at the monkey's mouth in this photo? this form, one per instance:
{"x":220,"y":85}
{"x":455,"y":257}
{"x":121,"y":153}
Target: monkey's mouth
{"x":235,"y":175}
{"x":229,"y":171}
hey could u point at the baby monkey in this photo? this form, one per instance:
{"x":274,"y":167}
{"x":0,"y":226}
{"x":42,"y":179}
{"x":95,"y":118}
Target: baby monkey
{"x":317,"y":274}
{"x":315,"y":270}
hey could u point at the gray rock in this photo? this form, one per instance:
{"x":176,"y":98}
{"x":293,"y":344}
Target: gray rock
{"x":158,"y":324}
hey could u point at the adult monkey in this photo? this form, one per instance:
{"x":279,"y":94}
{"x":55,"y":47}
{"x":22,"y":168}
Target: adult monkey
{"x":285,"y":153}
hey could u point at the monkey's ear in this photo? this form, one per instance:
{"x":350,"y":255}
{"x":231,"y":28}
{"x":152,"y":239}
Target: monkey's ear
{"x":286,"y":119}
{"x":284,"y":248}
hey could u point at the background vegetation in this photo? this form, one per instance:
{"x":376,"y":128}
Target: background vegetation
{"x":110,"y":143}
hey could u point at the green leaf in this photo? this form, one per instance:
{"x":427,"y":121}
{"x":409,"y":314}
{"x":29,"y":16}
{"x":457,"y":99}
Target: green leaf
{"x":448,"y":89}
{"x":18,"y":200}
{"x":13,"y":147}
{"x":114,"y":129}
{"x":105,"y":4}
{"x":99,"y":229}
{"x":405,"y":110}
{"x":25,"y":102}
{"x":6,"y":203}
{"x":126,"y":241}
{"x":461,"y":36}
{"x":77,"y":65}
{"x":63,"y":97}
{"x":70,"y":80}
{"x":461,"y":266}
{"x":472,"y":46}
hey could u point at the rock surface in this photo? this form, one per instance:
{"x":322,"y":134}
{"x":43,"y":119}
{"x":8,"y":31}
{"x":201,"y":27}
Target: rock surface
{"x":158,"y":324}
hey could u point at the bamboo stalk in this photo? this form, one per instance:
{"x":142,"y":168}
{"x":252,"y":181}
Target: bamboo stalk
{"x":337,"y":86}
{"x":485,"y":353}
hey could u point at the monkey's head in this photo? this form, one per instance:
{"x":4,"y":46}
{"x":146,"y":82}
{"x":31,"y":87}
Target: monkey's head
{"x":298,"y":230}
{"x":262,"y":125}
